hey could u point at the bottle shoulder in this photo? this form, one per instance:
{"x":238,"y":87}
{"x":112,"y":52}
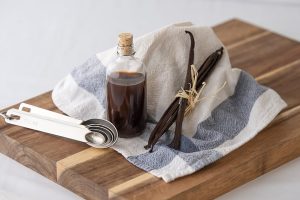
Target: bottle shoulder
{"x":126,"y":63}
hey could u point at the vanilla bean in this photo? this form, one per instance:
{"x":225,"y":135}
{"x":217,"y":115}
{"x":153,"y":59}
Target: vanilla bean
{"x":164,"y":128}
{"x":160,"y":123}
{"x":175,"y":144}
{"x":207,"y":66}
{"x":170,"y":114}
{"x":158,"y":131}
{"x":210,"y":61}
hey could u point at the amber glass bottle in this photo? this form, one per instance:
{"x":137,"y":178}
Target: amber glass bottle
{"x":126,"y":90}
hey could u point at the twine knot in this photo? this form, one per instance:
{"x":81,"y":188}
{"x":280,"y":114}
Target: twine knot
{"x":192,"y":95}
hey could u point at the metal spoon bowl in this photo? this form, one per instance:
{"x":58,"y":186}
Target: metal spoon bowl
{"x":103,"y":133}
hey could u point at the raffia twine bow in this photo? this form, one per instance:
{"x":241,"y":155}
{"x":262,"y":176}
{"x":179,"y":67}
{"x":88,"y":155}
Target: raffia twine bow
{"x":192,"y":95}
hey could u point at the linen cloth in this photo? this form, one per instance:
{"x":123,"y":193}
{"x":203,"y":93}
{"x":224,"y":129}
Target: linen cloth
{"x":220,"y":123}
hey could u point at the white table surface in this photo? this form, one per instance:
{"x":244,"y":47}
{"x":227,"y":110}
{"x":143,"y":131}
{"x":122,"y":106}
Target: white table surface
{"x":41,"y":41}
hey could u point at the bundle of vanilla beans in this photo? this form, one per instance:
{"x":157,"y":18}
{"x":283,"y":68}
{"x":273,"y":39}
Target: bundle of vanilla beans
{"x":175,"y":112}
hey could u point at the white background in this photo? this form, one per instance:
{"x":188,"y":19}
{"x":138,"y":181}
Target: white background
{"x":41,"y":41}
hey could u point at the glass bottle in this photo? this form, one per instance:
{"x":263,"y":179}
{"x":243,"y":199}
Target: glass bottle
{"x":126,"y":90}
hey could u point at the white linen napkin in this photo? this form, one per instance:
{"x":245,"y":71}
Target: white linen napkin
{"x":219,"y":124}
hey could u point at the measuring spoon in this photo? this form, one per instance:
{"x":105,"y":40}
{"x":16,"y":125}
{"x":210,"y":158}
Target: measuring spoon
{"x":97,"y":133}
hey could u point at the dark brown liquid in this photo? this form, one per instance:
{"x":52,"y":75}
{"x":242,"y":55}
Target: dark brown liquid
{"x":126,"y":102}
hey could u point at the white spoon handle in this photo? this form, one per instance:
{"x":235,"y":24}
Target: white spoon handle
{"x":47,"y":125}
{"x":48,"y":113}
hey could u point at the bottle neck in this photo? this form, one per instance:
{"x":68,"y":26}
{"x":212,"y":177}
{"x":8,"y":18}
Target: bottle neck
{"x":125,"y":50}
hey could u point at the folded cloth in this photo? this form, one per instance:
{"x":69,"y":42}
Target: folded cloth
{"x":223,"y":121}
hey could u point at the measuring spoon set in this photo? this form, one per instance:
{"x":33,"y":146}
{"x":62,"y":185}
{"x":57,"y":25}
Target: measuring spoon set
{"x":98,"y":133}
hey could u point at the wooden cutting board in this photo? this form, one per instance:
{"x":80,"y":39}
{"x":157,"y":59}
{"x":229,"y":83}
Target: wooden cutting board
{"x":104,"y":174}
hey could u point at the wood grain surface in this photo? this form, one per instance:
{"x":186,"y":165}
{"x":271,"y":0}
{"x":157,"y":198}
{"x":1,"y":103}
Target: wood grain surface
{"x":104,"y":174}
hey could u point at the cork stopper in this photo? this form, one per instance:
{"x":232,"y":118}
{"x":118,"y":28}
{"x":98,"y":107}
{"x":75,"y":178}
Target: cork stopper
{"x":125,"y":42}
{"x":125,"y":39}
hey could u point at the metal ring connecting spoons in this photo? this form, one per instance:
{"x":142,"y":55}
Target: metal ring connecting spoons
{"x":98,"y":133}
